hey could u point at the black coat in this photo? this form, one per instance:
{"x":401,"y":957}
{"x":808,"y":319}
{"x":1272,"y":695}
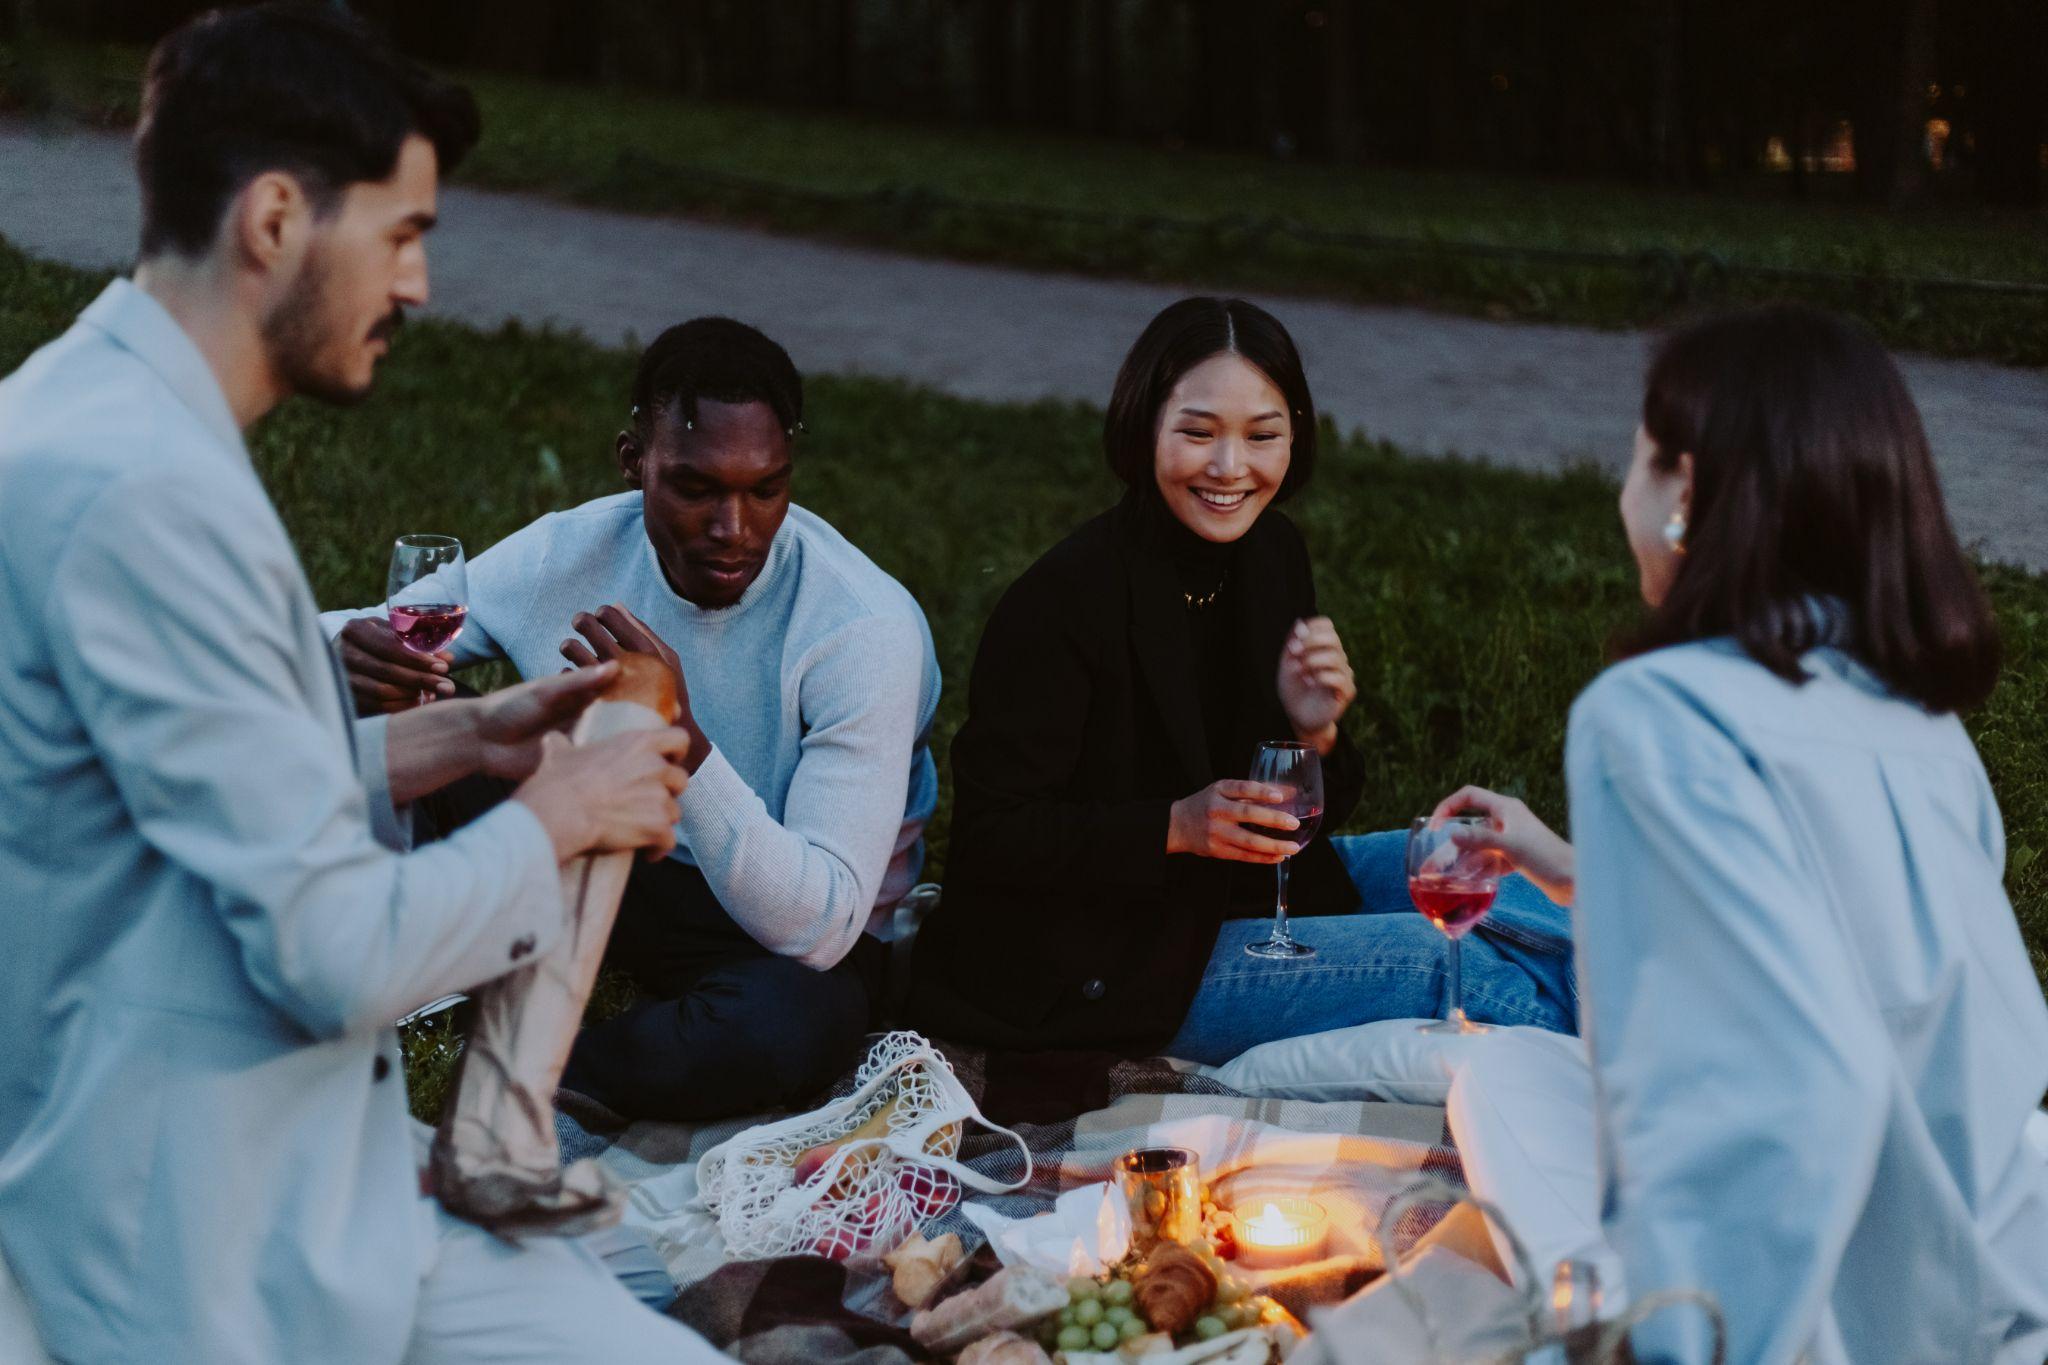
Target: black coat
{"x":1064,"y":923}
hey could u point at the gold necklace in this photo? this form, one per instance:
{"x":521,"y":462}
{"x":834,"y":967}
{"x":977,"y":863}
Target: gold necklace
{"x":1207,"y":599}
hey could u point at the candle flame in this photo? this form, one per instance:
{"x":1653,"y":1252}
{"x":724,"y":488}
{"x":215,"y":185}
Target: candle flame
{"x":1273,"y":1226}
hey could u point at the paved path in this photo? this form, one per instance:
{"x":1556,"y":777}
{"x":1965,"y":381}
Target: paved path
{"x":1531,"y":396}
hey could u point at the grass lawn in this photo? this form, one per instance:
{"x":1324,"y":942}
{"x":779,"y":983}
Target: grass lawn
{"x":1475,"y":601}
{"x":910,"y":186}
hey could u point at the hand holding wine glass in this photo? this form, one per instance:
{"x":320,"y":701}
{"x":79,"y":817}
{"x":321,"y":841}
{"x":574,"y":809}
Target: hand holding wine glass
{"x":1512,"y":830}
{"x":427,"y":594}
{"x":383,"y":674}
{"x":1242,"y":822}
{"x":1296,"y":772}
{"x":1452,"y":881}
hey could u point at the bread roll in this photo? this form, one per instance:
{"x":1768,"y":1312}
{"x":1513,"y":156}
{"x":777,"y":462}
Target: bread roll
{"x":647,"y":680}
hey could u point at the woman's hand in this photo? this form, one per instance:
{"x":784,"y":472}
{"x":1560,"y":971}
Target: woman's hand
{"x":1211,"y":823}
{"x":1316,"y":686}
{"x":1513,"y":831}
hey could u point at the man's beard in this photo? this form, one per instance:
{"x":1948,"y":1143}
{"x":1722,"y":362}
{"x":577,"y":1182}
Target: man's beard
{"x":300,"y":329}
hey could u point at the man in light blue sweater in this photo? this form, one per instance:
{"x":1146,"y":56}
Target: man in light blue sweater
{"x":809,"y":683}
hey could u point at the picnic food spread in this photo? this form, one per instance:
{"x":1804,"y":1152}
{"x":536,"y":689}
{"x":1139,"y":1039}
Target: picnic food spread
{"x":1174,"y":1305}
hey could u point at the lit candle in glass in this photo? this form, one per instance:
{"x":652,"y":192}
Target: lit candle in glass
{"x":1284,"y":1232}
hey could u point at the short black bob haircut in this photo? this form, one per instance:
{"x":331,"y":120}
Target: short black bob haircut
{"x":298,"y":87}
{"x":720,"y":361}
{"x":1812,"y":479}
{"x":1183,"y":336}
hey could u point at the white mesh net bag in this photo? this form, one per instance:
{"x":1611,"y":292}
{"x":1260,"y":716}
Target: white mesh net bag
{"x":852,"y":1180}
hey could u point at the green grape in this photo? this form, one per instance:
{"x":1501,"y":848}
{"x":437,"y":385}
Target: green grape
{"x":1231,"y":1289}
{"x":1075,"y":1339}
{"x":1209,"y":1327}
{"x":1080,"y":1289}
{"x":1118,"y":1292}
{"x":1106,"y":1337}
{"x":1117,"y":1315}
{"x":1088,"y":1312}
{"x":1066,"y":1317}
{"x":1131,"y":1330}
{"x":1240,"y":1315}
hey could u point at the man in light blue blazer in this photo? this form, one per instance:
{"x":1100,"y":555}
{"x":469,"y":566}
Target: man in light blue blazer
{"x":206,"y":924}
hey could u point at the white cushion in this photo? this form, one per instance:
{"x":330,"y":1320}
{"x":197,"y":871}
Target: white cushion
{"x":1390,"y":1060}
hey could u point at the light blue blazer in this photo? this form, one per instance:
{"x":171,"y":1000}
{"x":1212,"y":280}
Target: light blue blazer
{"x":204,"y":1148}
{"x":1815,"y":1032}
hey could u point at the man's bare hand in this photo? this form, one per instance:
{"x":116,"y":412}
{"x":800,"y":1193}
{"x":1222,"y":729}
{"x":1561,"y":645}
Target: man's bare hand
{"x":612,"y":631}
{"x":511,"y":723}
{"x":613,"y":794}
{"x":383,"y":674}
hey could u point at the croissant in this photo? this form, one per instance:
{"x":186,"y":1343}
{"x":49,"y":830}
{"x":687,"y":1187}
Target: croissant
{"x":1176,"y":1288}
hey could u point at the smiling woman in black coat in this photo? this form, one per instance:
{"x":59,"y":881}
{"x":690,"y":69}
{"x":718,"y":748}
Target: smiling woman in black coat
{"x":1108,"y":860}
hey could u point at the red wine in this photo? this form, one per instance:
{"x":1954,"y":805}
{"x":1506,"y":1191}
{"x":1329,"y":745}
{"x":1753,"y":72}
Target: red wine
{"x":428,"y":627}
{"x":1452,"y":904}
{"x":1310,"y":819}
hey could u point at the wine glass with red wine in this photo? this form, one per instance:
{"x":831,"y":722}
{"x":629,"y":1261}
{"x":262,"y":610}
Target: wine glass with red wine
{"x":1296,"y":770}
{"x":1452,"y":882}
{"x":427,"y":594}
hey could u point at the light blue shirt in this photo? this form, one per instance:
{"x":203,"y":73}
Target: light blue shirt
{"x":1815,"y":1033}
{"x":204,"y":1147}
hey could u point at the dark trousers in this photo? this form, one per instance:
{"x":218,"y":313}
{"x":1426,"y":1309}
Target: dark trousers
{"x":729,"y":1027}
{"x":732,"y":1028}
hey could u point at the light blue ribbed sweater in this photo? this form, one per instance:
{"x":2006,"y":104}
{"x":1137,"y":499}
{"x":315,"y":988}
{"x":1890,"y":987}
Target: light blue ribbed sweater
{"x":816,"y":689}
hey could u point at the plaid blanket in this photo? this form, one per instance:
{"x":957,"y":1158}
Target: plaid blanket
{"x":1076,"y":1114}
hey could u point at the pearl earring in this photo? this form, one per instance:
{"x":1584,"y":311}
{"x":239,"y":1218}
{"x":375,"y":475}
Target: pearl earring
{"x":1674,"y":533}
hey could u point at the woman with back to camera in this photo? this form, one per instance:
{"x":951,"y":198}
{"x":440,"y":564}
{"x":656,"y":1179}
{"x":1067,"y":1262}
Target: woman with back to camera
{"x":1109,"y":862}
{"x":1816,"y":1037}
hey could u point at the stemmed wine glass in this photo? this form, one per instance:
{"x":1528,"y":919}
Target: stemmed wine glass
{"x":1297,"y":771}
{"x":1453,"y":884}
{"x":427,"y":594}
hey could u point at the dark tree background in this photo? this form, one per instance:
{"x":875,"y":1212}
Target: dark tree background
{"x":1689,"y":92}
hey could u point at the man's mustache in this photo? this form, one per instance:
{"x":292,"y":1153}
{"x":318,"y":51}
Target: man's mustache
{"x":389,"y":324}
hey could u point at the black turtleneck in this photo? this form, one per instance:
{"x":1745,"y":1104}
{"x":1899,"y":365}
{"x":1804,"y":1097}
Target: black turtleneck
{"x":1202,"y":572}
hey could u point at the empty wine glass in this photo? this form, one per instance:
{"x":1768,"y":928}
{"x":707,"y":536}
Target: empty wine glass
{"x":1298,"y":772}
{"x":426,"y":594}
{"x":1453,"y":884}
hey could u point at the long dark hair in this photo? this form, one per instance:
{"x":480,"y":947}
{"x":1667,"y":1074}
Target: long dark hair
{"x":1812,"y":480}
{"x":1182,"y":336}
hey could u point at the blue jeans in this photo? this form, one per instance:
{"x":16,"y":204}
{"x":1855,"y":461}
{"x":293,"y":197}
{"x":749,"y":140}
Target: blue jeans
{"x":1386,"y":962}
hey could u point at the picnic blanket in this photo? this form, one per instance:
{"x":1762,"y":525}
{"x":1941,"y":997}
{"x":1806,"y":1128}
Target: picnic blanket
{"x":1076,"y":1113}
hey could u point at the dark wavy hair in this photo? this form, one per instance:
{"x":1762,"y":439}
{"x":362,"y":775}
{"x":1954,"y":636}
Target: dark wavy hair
{"x":1812,"y":480}
{"x":1182,"y":336}
{"x":294,"y":86}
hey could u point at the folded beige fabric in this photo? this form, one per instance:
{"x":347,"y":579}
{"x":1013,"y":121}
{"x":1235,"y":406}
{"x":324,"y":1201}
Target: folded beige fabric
{"x":495,"y":1161}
